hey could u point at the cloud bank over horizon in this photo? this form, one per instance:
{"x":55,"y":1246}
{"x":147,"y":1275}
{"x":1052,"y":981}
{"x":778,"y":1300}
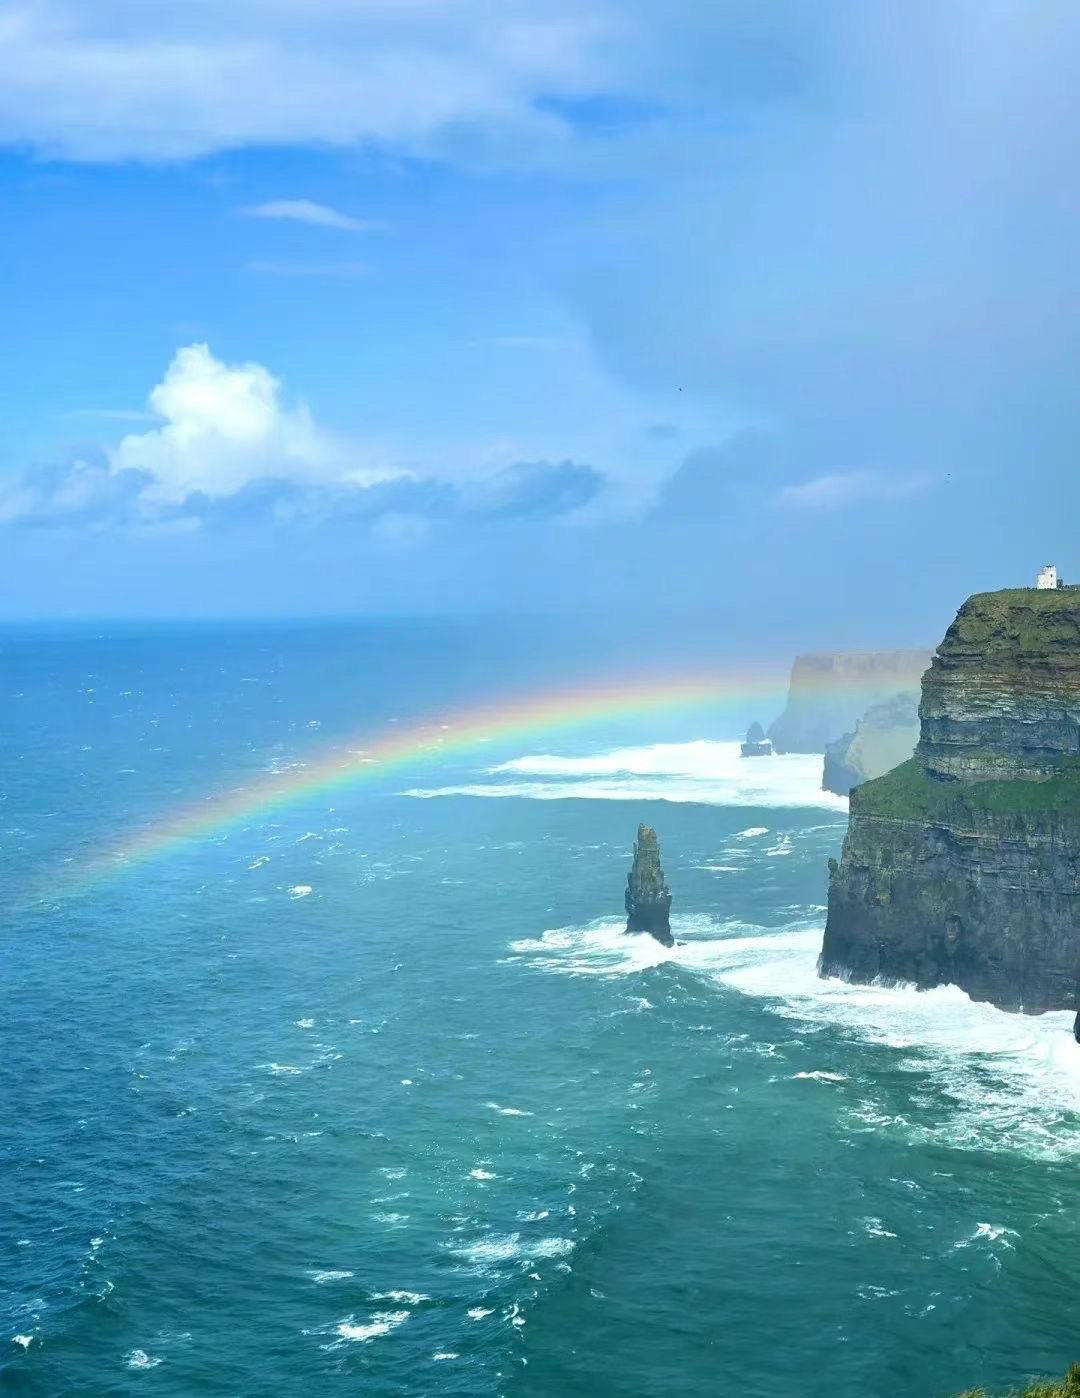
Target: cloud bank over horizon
{"x":724,"y":297}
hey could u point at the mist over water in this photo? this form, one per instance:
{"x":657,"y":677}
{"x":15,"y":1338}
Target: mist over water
{"x":374,"y":1094}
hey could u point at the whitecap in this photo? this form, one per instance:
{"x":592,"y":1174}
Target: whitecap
{"x":506,"y":1111}
{"x":407,"y":1298}
{"x":329,"y":1276}
{"x":300,"y":890}
{"x":304,"y":1023}
{"x":479,"y":1312}
{"x":285,"y":1069}
{"x":992,"y":1233}
{"x":380,"y":1324}
{"x":444,"y":1354}
{"x":753,"y":832}
{"x":23,"y":1340}
{"x":139,"y":1359}
{"x":819,"y":1075}
{"x":510,"y":1247}
{"x":479,"y":1174}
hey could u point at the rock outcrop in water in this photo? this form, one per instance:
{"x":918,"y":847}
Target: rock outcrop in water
{"x":756,"y":743}
{"x":648,"y":899}
{"x":962,"y":865}
{"x":830,"y":691}
{"x":884,"y":737}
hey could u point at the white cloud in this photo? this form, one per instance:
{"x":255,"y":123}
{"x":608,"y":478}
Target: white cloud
{"x":307,"y":211}
{"x":112,"y":80}
{"x":226,"y":426}
{"x":838,"y":489}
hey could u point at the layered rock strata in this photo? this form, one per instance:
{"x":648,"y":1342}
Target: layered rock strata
{"x":830,"y":691}
{"x":648,"y":898}
{"x":962,"y":865}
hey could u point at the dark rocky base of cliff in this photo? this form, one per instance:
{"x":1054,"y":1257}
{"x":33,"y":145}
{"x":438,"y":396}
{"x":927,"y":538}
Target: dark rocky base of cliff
{"x":975,"y":885}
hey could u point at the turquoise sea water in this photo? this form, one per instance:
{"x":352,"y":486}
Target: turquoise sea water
{"x":372,"y":1094}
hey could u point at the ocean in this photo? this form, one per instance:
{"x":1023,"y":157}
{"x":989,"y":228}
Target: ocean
{"x":367,"y":1091}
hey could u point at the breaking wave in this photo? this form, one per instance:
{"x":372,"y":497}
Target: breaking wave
{"x":712,"y":773}
{"x":1007,"y":1080}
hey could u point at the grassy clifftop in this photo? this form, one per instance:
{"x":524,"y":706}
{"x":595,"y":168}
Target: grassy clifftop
{"x":1068,"y":1387}
{"x":909,"y":792}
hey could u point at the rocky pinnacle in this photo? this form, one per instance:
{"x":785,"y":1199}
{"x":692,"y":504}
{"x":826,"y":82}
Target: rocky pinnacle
{"x":648,"y":899}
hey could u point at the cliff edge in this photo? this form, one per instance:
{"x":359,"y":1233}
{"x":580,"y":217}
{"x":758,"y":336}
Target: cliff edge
{"x":962,"y":865}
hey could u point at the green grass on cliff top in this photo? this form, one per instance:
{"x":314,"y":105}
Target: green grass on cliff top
{"x":1020,"y":620}
{"x":909,"y":793}
{"x":1068,"y":1387}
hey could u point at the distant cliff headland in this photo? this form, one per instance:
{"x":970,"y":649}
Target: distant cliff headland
{"x":962,"y":865}
{"x":858,"y":708}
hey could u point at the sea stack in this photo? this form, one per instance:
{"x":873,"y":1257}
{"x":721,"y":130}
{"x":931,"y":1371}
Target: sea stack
{"x":962,"y":865}
{"x":648,"y":899}
{"x":756,"y":744}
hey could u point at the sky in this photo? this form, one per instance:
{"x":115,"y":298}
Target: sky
{"x":755,"y":318}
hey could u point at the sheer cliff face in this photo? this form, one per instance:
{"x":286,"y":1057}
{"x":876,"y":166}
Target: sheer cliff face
{"x":1002,"y":698}
{"x":884,"y":737}
{"x":830,"y":691}
{"x":962,"y":865}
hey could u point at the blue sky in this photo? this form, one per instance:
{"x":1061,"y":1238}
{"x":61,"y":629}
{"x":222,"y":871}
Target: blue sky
{"x":760,"y":315}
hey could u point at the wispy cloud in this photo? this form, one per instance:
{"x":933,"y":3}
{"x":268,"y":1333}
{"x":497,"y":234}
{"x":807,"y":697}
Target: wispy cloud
{"x":307,"y":211}
{"x":838,"y":489}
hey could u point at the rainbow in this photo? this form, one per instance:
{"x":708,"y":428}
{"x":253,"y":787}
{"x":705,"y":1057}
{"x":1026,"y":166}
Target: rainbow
{"x":374,"y":755}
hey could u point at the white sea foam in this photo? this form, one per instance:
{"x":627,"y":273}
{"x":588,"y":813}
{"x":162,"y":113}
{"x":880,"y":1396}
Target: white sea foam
{"x":479,"y":1312}
{"x":479,"y":1174}
{"x":22,"y":1340}
{"x":380,"y":1324}
{"x":506,"y":1111}
{"x":444,"y":1354}
{"x":819,"y":1075}
{"x":304,"y":1023}
{"x":139,"y":1359}
{"x":704,"y":771}
{"x":403,"y":1298}
{"x":511,"y":1247}
{"x":300,"y":890}
{"x":991,"y":1233}
{"x":1011,"y":1081}
{"x":753,"y":832}
{"x":327,"y":1277}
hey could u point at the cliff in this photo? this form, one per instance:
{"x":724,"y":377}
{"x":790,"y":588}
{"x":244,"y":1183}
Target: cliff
{"x":884,"y":737}
{"x":648,"y":899}
{"x":962,"y":865}
{"x":829,"y":692}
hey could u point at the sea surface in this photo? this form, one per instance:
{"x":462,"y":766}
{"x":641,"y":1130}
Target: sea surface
{"x":369,"y":1093}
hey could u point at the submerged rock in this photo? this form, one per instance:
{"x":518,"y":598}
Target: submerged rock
{"x":962,"y":865}
{"x":756,"y":744}
{"x":648,"y":898}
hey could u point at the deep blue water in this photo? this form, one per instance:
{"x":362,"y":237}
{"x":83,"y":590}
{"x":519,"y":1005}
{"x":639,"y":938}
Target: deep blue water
{"x":372,"y":1095}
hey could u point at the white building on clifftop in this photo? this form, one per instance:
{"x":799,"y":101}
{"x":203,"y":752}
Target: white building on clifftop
{"x":1048,"y":576}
